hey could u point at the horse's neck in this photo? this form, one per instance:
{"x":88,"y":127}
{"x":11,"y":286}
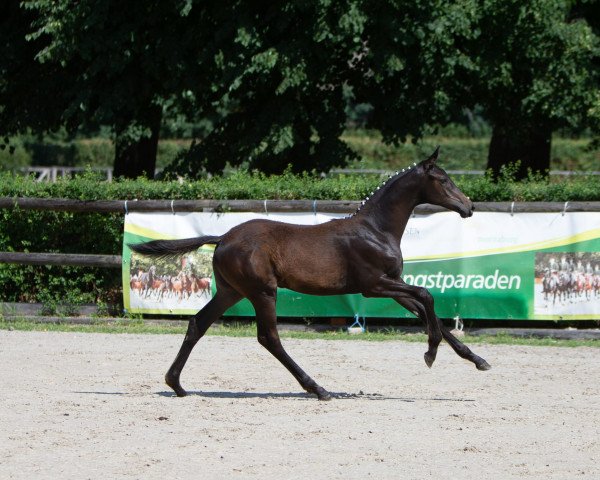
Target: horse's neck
{"x":389,"y":209}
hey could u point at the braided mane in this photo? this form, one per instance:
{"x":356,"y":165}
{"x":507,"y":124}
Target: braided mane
{"x":386,"y":183}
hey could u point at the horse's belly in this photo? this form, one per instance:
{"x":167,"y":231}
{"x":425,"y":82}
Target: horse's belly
{"x":316,"y":278}
{"x":318,"y":288}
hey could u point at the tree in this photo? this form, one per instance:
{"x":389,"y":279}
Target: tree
{"x":31,"y":94}
{"x":413,"y":61}
{"x":108,"y":63}
{"x":536,"y":72}
{"x":275,"y":77}
{"x":120,"y":76}
{"x":287,"y":70}
{"x":532,"y":67}
{"x":267,"y":73}
{"x":279,"y":69}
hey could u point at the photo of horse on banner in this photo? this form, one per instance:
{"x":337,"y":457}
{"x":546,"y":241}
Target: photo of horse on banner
{"x":567,"y":282}
{"x":181,"y":281}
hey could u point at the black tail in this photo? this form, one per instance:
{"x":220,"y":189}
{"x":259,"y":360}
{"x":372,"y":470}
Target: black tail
{"x":164,"y":248}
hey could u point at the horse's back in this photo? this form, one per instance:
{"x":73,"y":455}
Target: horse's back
{"x":261,"y":233}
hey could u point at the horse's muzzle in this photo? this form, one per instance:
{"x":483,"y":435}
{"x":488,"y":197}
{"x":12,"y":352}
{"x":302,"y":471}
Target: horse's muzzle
{"x":468,"y":212}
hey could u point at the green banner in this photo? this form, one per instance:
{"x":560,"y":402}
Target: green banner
{"x":496,"y":266}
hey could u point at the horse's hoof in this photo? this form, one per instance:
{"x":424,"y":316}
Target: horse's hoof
{"x":429,"y":359}
{"x":176,"y":386}
{"x":483,"y":365}
{"x":321,"y":393}
{"x":180,"y":392}
{"x":325,"y":396}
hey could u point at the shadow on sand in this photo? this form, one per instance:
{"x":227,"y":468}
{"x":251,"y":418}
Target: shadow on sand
{"x":307,"y":396}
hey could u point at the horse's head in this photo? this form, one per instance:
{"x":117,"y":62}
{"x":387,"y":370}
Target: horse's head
{"x":440,"y":190}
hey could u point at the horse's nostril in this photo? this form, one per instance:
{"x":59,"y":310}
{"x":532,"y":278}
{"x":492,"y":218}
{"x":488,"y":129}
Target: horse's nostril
{"x":473,"y":206}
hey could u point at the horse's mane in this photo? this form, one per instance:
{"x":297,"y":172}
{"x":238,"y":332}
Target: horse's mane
{"x":384,"y":186}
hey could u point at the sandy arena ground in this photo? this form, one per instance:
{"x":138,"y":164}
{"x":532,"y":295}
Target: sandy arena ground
{"x":78,"y":406}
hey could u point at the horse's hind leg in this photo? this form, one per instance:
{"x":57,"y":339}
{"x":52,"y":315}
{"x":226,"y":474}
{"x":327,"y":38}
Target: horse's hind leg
{"x":268,"y":337}
{"x":199,"y":323}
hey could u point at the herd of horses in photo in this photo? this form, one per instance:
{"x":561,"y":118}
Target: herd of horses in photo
{"x":183,"y":286}
{"x":570,"y":286}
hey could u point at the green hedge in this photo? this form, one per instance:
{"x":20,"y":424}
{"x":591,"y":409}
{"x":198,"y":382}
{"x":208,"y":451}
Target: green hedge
{"x":243,"y":185}
{"x":41,"y":231}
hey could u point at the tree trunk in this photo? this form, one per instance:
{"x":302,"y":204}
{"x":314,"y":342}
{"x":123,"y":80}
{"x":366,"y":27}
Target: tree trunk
{"x":137,"y":158}
{"x":510,"y":144}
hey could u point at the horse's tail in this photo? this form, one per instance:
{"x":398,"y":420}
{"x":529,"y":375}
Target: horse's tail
{"x":165,"y":248}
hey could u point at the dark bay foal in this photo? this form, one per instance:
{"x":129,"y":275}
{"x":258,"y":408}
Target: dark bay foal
{"x":358,"y":254}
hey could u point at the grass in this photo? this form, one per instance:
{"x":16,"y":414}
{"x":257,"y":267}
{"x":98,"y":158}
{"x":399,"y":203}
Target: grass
{"x":249,"y":330}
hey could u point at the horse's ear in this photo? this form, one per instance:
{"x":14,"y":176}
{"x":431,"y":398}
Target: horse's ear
{"x":431,"y":160}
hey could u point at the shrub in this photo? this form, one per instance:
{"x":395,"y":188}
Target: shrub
{"x":43,"y":231}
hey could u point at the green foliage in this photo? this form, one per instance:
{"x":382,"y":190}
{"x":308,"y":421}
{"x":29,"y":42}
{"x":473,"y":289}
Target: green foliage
{"x":14,"y":156}
{"x":272,"y":83}
{"x":32,"y":94}
{"x":84,"y":152}
{"x":460,"y":151}
{"x":535,"y":70}
{"x":280,"y":87}
{"x":84,"y":64}
{"x":533,"y":65}
{"x":237,"y":185}
{"x":42,"y":231}
{"x":240,"y":184}
{"x":534,"y":188}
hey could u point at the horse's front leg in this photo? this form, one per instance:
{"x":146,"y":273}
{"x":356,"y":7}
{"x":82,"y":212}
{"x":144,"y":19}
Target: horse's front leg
{"x":412,"y":305}
{"x":417,"y":300}
{"x":462,"y":350}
